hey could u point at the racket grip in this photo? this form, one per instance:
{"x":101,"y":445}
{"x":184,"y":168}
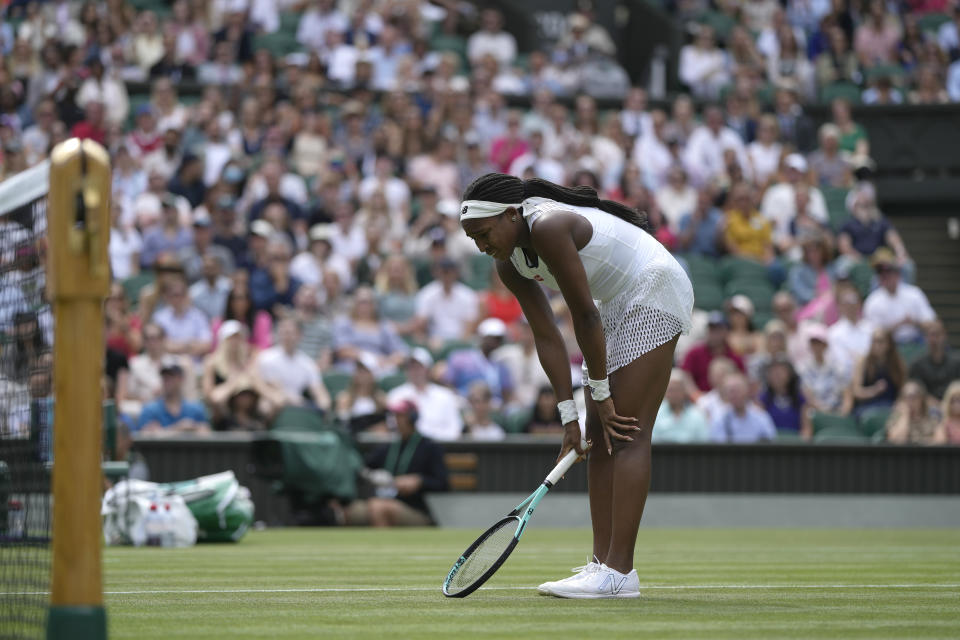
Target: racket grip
{"x":564,"y":465}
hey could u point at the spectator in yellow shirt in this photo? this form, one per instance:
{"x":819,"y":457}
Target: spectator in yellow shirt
{"x":746,"y":233}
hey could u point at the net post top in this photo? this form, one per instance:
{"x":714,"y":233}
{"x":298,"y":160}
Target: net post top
{"x":78,"y":221}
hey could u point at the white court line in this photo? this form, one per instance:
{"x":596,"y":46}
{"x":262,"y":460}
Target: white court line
{"x":664,"y":587}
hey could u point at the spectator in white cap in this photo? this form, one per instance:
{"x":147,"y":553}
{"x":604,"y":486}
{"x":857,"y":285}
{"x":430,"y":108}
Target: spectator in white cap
{"x":439,"y":415}
{"x":466,"y":366}
{"x":227,"y":372}
{"x":824,"y":379}
{"x":779,"y":203}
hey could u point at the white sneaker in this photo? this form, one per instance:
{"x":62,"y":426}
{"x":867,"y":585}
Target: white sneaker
{"x":602,"y":583}
{"x":546,"y":588}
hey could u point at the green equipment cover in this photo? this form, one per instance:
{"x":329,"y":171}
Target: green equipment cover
{"x":223,"y":509}
{"x":306,"y":454}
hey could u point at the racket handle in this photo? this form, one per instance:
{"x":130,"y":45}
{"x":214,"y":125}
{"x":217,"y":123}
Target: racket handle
{"x":564,"y":465}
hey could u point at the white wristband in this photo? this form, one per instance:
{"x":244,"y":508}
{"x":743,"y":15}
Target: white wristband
{"x":599,"y":389}
{"x":568,"y":412}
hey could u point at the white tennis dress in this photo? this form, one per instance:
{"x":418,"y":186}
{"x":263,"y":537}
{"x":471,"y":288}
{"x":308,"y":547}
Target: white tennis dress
{"x":642,"y":293}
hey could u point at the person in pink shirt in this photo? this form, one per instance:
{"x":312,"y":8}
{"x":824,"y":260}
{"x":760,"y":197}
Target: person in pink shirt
{"x":875,"y":41}
{"x":510,"y":146}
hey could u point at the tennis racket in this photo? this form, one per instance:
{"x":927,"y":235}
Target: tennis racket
{"x":488,"y":552}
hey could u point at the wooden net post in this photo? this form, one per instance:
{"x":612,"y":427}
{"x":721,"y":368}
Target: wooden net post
{"x":78,"y":281}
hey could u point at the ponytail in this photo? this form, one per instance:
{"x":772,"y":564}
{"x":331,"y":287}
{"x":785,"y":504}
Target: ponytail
{"x":499,"y":187}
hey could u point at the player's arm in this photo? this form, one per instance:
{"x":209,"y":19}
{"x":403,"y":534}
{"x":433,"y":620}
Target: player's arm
{"x":549,"y":343}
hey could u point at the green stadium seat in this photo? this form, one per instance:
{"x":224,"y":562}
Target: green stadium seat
{"x":846,"y":90}
{"x":478,"y":271}
{"x":707,"y":295}
{"x":336,"y":381}
{"x":931,"y":22}
{"x":449,"y":347}
{"x":392,"y":381}
{"x":760,"y":292}
{"x":839,"y":436}
{"x":733,"y":268}
{"x":861,"y":275}
{"x":910,"y":352}
{"x":874,"y":421}
{"x":109,"y":429}
{"x":515,"y":421}
{"x":836,"y":200}
{"x":788,"y":436}
{"x":765,"y":94}
{"x":453,"y":43}
{"x":290,"y":22}
{"x":722,"y":23}
{"x":761,"y":318}
{"x":836,"y":424}
{"x":278,"y":43}
{"x":133,"y":285}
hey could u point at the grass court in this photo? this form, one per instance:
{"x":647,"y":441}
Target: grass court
{"x":343,"y":583}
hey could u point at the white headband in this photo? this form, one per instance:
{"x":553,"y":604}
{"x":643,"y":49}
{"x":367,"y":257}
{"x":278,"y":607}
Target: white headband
{"x":482,"y":209}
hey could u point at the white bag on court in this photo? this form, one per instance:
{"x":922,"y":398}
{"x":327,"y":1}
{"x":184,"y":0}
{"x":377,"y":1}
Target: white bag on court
{"x":138,"y":512}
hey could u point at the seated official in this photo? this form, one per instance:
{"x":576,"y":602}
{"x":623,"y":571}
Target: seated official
{"x":742,"y":422}
{"x":170,"y":413}
{"x":401,"y":472}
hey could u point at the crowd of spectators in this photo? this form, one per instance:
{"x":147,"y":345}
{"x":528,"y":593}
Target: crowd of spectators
{"x":287,"y":235}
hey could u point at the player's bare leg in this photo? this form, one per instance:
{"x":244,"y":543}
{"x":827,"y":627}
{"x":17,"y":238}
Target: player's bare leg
{"x":619,"y":483}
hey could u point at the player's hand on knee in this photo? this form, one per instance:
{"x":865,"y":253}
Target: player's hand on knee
{"x":615,"y":427}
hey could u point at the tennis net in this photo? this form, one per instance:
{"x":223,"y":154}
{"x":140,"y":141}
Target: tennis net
{"x":26,"y":402}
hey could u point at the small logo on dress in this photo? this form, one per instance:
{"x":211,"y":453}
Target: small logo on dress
{"x":538,"y":277}
{"x":463,"y":211}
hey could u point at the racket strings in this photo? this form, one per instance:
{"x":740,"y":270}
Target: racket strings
{"x":484,"y":556}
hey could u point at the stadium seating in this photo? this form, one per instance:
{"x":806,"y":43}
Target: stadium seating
{"x":845,"y":90}
{"x":449,"y":347}
{"x":392,"y":381}
{"x":874,"y":422}
{"x":836,"y":429}
{"x":335,"y":382}
{"x":911,"y":351}
{"x":839,"y":436}
{"x":834,"y":425}
{"x":515,"y":421}
{"x":836,"y":200}
{"x":133,"y":285}
{"x":788,"y":436}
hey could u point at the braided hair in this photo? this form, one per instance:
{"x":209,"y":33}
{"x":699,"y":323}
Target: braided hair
{"x":500,"y":187}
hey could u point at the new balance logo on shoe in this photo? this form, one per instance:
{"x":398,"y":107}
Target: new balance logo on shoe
{"x":612,"y":583}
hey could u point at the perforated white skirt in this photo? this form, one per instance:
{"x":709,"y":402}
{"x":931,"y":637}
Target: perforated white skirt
{"x":650,"y":314}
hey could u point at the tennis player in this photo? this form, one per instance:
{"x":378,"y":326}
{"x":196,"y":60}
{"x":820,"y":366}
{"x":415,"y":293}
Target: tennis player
{"x":630,"y":300}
